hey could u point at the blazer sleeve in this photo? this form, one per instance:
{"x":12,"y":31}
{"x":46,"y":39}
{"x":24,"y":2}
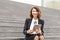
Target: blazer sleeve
{"x":25,"y":27}
{"x":42,"y":27}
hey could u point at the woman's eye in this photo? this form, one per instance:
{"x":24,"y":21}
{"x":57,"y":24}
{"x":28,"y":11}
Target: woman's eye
{"x":33,"y":11}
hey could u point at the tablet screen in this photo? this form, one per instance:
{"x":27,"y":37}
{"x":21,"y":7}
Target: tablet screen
{"x":37,"y":26}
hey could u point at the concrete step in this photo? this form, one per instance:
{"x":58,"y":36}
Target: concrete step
{"x":52,"y":34}
{"x":20,"y":29}
{"x":13,"y":24}
{"x":52,"y":30}
{"x":11,"y":34}
{"x":20,"y":34}
{"x":22,"y":38}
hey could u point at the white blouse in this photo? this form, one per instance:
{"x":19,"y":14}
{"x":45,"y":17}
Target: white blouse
{"x":32,"y":24}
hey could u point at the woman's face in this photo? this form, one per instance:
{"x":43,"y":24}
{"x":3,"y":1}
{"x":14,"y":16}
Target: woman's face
{"x":34,"y":13}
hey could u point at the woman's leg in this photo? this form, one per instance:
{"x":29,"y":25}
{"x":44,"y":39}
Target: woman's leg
{"x":41,"y":37}
{"x":36,"y":37}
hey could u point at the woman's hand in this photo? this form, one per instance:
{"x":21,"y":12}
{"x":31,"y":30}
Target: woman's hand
{"x":38,"y":31}
{"x":29,"y":31}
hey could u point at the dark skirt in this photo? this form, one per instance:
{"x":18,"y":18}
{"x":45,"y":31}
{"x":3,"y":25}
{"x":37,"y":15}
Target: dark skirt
{"x":31,"y":37}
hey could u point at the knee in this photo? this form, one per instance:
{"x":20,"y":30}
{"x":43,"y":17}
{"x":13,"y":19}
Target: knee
{"x":36,"y":38}
{"x":41,"y":37}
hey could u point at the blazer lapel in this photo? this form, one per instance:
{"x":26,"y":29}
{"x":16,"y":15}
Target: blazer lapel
{"x":38,"y":21}
{"x":30,"y":22}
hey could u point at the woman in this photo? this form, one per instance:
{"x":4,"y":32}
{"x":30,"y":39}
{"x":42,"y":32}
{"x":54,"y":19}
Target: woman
{"x":35,"y":18}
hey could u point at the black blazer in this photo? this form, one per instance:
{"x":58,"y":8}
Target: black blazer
{"x":28,"y":23}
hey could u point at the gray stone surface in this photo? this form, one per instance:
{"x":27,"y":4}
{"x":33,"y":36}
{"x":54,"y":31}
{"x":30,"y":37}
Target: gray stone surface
{"x":13,"y":15}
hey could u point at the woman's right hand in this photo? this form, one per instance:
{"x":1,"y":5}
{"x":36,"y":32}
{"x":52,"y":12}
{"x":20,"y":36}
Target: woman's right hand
{"x":29,"y":31}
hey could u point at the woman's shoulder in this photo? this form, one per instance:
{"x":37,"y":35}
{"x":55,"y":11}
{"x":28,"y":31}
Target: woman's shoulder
{"x":42,"y":20}
{"x":27,"y":19}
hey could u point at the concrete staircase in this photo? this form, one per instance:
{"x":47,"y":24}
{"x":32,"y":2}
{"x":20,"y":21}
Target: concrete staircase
{"x":13,"y":15}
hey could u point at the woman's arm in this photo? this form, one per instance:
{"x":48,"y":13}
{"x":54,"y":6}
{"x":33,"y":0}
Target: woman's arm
{"x":26,"y":30}
{"x":25,"y":27}
{"x":42,"y":27}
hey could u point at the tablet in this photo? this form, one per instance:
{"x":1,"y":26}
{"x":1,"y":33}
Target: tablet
{"x":37,"y":26}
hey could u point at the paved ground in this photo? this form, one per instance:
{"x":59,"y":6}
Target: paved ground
{"x":13,"y":15}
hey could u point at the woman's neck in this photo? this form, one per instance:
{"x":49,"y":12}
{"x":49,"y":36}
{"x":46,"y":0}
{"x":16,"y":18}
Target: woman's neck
{"x":35,"y":18}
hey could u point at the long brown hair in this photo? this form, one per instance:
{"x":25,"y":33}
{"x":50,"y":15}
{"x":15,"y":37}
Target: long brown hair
{"x":38,"y":10}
